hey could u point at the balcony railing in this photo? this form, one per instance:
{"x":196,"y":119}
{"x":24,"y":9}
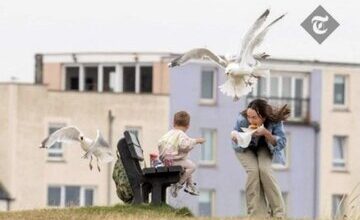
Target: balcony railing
{"x":299,"y":107}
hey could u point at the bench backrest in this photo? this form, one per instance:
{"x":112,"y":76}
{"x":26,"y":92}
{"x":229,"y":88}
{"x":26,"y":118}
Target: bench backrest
{"x":134,"y":145}
{"x":130,"y":154}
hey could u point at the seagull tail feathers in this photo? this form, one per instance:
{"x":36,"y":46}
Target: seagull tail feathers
{"x":234,"y":91}
{"x":228,"y":88}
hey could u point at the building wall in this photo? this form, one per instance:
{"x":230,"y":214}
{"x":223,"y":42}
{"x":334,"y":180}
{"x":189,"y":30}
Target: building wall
{"x":160,"y":78}
{"x":3,"y":205}
{"x":52,"y":75}
{"x":339,"y":122}
{"x":5,"y":120}
{"x":36,"y":107}
{"x":227,"y":177}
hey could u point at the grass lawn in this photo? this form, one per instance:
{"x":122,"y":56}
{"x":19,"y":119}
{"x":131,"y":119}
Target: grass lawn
{"x":101,"y":213}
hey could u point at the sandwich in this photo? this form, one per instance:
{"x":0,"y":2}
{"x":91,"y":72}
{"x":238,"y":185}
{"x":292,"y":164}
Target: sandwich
{"x":253,"y":126}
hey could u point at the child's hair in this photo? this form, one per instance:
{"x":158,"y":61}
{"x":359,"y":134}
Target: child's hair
{"x":182,"y":118}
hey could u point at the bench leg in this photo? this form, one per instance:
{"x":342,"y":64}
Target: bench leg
{"x":146,"y":191}
{"x":156,"y":194}
{"x":138,"y":199}
{"x":163,"y":194}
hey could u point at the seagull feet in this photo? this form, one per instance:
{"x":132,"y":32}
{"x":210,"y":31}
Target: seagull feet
{"x":255,"y":76}
{"x":98,"y":168}
{"x":90,"y":166}
{"x":236,"y":98}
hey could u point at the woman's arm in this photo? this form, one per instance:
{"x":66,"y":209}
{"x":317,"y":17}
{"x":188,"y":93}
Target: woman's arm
{"x":276,"y":138}
{"x":240,"y":122}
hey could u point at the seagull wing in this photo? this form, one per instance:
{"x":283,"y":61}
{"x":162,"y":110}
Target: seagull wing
{"x":248,"y":55}
{"x":67,"y":134}
{"x":198,"y":53}
{"x":251,"y":33}
{"x":101,"y":149}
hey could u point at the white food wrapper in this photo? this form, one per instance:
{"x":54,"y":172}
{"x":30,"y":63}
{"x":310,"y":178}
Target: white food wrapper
{"x":244,"y":138}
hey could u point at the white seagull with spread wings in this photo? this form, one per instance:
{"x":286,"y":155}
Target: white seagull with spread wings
{"x":244,"y":70}
{"x":70,"y":134}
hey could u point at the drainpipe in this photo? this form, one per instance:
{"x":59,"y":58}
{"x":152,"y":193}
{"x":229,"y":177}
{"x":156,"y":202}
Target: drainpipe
{"x":316,"y":127}
{"x":9,"y":200}
{"x":38,"y":68}
{"x":110,"y":122}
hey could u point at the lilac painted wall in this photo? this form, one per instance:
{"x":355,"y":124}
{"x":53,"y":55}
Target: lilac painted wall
{"x":227,"y":177}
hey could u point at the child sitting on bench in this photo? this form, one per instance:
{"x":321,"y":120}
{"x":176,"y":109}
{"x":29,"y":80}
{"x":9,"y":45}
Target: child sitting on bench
{"x":175,"y":146}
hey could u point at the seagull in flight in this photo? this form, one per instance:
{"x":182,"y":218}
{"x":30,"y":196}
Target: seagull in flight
{"x":242,"y":70}
{"x":70,"y":134}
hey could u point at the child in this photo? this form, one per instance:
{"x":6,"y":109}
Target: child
{"x":175,"y":146}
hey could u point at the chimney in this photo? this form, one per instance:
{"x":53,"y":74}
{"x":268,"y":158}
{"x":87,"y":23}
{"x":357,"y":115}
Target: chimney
{"x":38,"y":68}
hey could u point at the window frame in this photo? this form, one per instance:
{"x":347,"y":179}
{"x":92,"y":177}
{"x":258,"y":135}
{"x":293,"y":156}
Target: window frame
{"x":344,"y":106}
{"x":62,"y":195}
{"x":214,"y":135}
{"x":101,"y":77}
{"x":119,"y":76}
{"x":342,"y":200}
{"x":345,"y":148}
{"x":207,"y":101}
{"x":152,"y":79}
{"x":293,"y":75}
{"x":242,"y":199}
{"x":55,"y":150}
{"x":64,"y":73}
{"x":287,"y":155}
{"x":212,"y":193}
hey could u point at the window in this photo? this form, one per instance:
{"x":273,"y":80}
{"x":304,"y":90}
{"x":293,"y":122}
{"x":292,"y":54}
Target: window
{"x":285,"y":196}
{"x":146,"y":78}
{"x":339,"y":149}
{"x":243,"y":206}
{"x":338,"y":205}
{"x":68,"y":196}
{"x":339,"y":90}
{"x":55,"y":152}
{"x":285,"y":88}
{"x":72,"y":196}
{"x":208,"y":85}
{"x":262,"y":87}
{"x":286,"y":153}
{"x":89,"y":197}
{"x":209,"y":147}
{"x":54,"y":196}
{"x":91,"y":78}
{"x":72,"y":78}
{"x":109,"y":78}
{"x":206,"y":203}
{"x":129,"y":79}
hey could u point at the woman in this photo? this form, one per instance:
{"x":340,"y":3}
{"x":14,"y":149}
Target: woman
{"x":266,"y":145}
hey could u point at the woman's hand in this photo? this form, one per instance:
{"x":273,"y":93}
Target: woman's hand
{"x":233,"y":136}
{"x":234,"y":139}
{"x":261,"y":131}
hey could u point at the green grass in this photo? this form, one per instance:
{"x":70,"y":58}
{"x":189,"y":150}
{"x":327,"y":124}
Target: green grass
{"x":101,"y":213}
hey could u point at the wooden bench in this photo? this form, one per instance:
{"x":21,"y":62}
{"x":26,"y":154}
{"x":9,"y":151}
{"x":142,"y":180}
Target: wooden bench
{"x":144,"y":181}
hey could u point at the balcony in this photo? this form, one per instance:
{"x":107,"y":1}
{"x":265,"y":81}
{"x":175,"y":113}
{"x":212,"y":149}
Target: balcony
{"x":299,"y":107}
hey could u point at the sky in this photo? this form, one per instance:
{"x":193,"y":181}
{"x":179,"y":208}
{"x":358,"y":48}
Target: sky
{"x":43,"y":26}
